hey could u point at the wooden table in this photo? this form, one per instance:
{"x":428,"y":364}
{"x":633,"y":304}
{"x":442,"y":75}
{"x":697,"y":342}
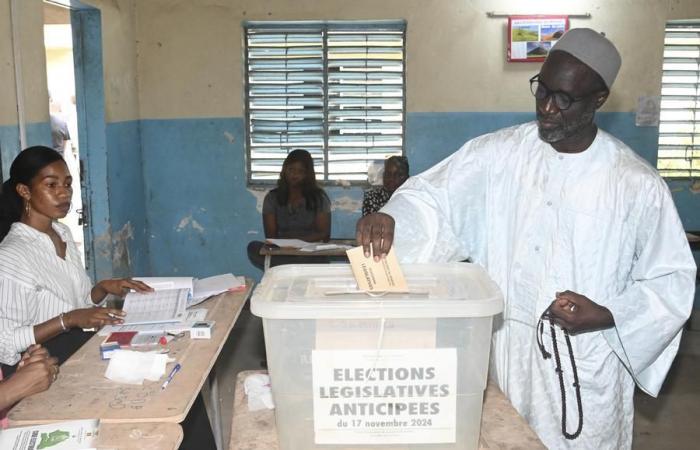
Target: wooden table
{"x":268,"y":252}
{"x":139,"y":436}
{"x":501,"y":425}
{"x":82,"y":392}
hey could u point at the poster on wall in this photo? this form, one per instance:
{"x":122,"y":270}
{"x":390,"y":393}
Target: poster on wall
{"x":531,"y":37}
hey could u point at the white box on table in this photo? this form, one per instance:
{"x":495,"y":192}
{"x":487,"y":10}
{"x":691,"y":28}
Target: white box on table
{"x":400,"y":371}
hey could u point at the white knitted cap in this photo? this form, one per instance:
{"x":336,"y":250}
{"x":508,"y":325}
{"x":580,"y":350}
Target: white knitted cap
{"x":594,"y":50}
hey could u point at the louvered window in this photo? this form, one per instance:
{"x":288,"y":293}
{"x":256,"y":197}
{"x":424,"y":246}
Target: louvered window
{"x":336,"y":89}
{"x":679,"y":120}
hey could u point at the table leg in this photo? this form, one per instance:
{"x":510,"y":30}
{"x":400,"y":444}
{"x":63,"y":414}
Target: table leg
{"x":268,"y":259}
{"x":216,"y":427}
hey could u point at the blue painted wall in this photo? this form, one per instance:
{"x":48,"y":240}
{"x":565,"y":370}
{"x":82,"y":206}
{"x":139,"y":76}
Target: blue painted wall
{"x":201,"y":215}
{"x":128,"y":221}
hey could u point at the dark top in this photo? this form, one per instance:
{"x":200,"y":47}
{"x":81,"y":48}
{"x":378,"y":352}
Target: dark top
{"x":374,"y":199}
{"x":293,"y":222}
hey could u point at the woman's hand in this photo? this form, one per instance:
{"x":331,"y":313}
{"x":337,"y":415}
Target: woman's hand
{"x":35,"y":373}
{"x":117,"y":286}
{"x":33,"y":354}
{"x":93,"y":317}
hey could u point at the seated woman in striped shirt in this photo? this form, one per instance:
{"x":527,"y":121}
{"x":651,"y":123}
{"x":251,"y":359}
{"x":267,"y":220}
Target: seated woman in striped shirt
{"x":46,"y":296}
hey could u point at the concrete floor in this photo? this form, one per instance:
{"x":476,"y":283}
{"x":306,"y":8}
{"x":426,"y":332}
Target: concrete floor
{"x":667,"y":422}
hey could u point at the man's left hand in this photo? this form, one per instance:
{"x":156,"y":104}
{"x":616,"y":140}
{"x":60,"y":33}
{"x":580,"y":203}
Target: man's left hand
{"x":577,"y":313}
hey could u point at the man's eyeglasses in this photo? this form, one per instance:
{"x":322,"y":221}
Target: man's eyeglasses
{"x":561,"y":99}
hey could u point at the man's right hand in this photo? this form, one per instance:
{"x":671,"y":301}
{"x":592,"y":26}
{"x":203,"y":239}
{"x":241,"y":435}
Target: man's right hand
{"x":375,"y":231}
{"x":93,"y":317}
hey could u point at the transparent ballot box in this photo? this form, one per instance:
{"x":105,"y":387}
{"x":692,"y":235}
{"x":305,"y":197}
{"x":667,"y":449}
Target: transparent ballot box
{"x":351,"y":370}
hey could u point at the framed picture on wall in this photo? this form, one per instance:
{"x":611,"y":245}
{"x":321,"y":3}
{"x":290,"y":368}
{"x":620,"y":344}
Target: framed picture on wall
{"x":531,"y":37}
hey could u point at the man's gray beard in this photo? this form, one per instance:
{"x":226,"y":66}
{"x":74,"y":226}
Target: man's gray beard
{"x":567,"y":130}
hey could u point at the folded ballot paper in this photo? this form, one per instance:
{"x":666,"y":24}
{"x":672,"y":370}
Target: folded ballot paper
{"x":380,"y":276}
{"x":70,"y":435}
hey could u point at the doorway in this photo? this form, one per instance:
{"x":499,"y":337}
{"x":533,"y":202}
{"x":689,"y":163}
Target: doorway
{"x":60,"y":75}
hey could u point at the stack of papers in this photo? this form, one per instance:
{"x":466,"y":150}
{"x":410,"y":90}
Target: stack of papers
{"x":208,"y":287}
{"x":324,"y":246}
{"x":288,"y":243}
{"x":199,"y":290}
{"x":191,"y":316}
{"x":164,"y":310}
{"x":307,"y":246}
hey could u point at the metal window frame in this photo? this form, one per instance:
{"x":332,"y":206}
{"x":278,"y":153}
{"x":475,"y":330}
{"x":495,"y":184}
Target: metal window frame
{"x":396,"y":25}
{"x":676,"y":26}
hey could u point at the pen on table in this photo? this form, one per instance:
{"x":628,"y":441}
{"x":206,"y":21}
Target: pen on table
{"x":175,"y":370}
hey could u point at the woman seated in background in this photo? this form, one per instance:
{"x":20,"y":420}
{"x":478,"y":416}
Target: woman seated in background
{"x":395,"y":173}
{"x":46,"y":296}
{"x":35,"y":373}
{"x":296,"y":209}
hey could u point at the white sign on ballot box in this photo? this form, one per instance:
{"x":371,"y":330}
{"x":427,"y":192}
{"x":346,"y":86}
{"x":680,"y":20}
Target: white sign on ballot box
{"x":405,"y":396}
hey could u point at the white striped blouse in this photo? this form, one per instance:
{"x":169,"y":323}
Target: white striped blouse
{"x":36,"y":285}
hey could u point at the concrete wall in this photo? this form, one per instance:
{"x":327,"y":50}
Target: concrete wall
{"x":127,"y":234}
{"x":200,"y":212}
{"x":30,"y":44}
{"x":173,"y":81}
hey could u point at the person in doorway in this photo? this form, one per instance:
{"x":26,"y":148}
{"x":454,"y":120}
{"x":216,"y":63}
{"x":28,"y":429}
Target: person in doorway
{"x":46,"y":296}
{"x":578,"y":231}
{"x":296,"y":209}
{"x":59,"y":133}
{"x":396,"y":172}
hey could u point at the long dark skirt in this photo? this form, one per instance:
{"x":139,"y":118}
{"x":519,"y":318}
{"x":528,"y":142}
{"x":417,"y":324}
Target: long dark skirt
{"x":61,"y":346}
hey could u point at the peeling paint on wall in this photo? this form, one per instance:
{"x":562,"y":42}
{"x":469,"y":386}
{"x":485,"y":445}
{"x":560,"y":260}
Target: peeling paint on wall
{"x":229,"y":137}
{"x":259,"y":195}
{"x":120,"y":256}
{"x":103,"y":244}
{"x":189,"y":221}
{"x":346,"y":204}
{"x":253,"y":232}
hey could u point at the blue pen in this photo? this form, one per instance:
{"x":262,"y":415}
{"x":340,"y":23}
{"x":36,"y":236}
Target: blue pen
{"x":175,"y":370}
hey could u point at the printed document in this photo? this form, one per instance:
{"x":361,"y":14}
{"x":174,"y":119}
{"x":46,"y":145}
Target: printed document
{"x":155,"y":307}
{"x":71,"y":435}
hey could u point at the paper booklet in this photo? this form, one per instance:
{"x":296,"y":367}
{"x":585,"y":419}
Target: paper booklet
{"x":193,"y":315}
{"x":207,"y":287}
{"x":155,"y":307}
{"x":71,"y":435}
{"x":199,"y":290}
